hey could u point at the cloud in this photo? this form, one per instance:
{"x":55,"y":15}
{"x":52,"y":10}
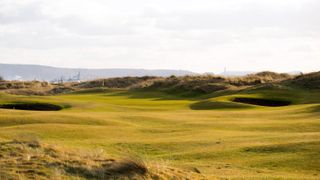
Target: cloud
{"x":14,"y":13}
{"x":247,"y":16}
{"x":84,"y":27}
{"x":203,"y":35}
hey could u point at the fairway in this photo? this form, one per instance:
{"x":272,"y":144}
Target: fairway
{"x":212,"y":134}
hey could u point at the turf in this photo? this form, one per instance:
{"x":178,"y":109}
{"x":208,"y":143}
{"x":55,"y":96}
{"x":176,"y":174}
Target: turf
{"x":218,"y":137}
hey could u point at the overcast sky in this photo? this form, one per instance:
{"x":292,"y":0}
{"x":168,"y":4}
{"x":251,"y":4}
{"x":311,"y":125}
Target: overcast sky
{"x":196,"y":35}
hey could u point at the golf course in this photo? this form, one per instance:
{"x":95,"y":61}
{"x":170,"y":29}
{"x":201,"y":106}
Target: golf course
{"x":260,"y":132}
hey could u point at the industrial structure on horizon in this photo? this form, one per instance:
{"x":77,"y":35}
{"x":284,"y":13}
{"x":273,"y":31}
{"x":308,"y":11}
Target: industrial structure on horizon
{"x":62,"y":79}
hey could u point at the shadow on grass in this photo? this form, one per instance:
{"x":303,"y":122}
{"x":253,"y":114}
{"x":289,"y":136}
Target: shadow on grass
{"x":212,"y":105}
{"x":284,"y":148}
{"x":159,"y":95}
{"x":155,"y":95}
{"x":109,"y":169}
{"x":315,"y":109}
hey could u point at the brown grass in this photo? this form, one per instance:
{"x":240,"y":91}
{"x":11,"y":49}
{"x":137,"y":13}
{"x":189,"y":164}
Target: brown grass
{"x":259,"y":78}
{"x":27,"y":158}
{"x":124,"y":82}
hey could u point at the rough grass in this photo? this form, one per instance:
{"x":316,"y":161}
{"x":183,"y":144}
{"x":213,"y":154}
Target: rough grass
{"x":216,"y":105}
{"x":310,"y":81}
{"x":21,"y":159}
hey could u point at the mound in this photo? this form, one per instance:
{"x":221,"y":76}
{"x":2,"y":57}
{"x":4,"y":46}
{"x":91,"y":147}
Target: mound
{"x":259,"y":78}
{"x":61,"y":90}
{"x":25,"y":87}
{"x":190,"y":84}
{"x":273,"y":75}
{"x":33,"y":160}
{"x":309,"y":81}
{"x":32,"y":106}
{"x":123,"y":82}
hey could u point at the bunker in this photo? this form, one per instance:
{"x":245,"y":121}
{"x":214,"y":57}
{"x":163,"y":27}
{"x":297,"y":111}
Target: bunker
{"x":262,"y":101}
{"x":32,"y":106}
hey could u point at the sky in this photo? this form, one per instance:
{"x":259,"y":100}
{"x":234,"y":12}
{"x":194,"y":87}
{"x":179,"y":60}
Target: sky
{"x":196,"y":35}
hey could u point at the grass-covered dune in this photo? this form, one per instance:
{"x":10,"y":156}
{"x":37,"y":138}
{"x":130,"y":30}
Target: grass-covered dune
{"x":203,"y":136}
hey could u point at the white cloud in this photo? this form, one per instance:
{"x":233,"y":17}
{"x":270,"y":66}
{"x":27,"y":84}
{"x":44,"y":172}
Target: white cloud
{"x":203,"y":35}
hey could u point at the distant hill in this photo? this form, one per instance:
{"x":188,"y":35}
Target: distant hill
{"x":47,"y":73}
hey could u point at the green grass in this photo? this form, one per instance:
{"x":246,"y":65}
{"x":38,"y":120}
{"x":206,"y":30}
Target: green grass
{"x":219,"y":137}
